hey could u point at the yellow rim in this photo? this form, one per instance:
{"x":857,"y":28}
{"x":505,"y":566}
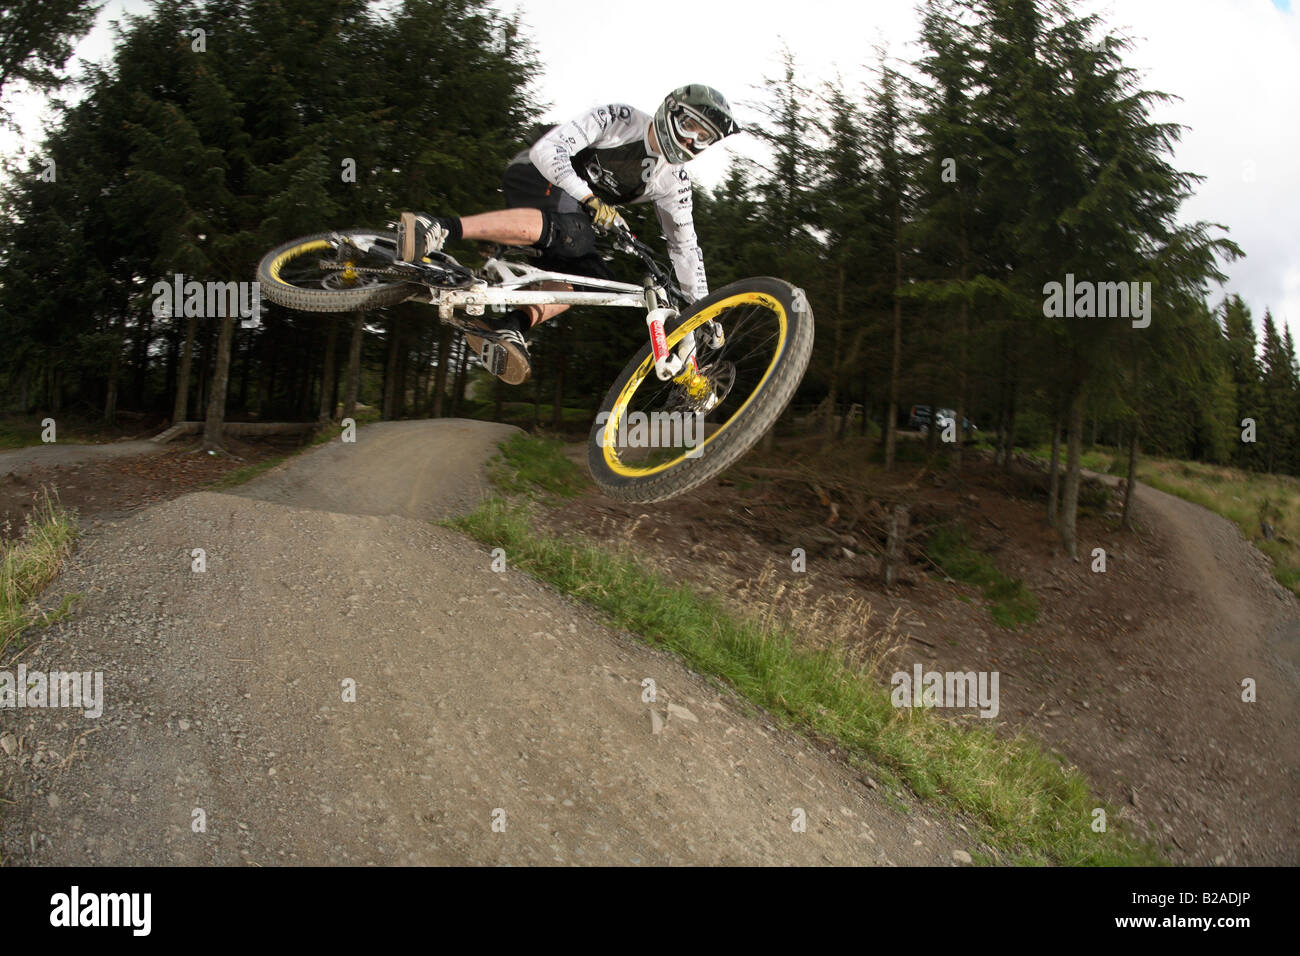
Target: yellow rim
{"x":293,"y":253}
{"x":646,"y":367}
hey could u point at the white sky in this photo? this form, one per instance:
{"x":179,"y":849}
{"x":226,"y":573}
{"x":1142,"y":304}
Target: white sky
{"x":1235,"y":63}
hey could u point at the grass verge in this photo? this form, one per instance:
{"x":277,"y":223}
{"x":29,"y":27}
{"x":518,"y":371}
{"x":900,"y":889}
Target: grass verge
{"x":238,"y":476}
{"x":1029,"y":806}
{"x":29,"y":563}
{"x":528,"y":464}
{"x":27,"y":431}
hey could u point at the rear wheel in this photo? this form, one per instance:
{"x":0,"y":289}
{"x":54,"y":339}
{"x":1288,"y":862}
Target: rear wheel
{"x":654,"y":440}
{"x":334,"y":272}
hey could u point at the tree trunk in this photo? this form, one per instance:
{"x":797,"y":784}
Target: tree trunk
{"x":963,"y":329}
{"x":1008,"y":456}
{"x":891,"y":418}
{"x":334,"y":396}
{"x":997,"y":435}
{"x":307,"y":385}
{"x":837,"y":347}
{"x":353,"y":384}
{"x":143,"y":339}
{"x":245,"y":367}
{"x":423,"y":360}
{"x":1054,"y":478}
{"x":1131,"y":482}
{"x":390,"y":371}
{"x":458,"y":390}
{"x":205,"y":371}
{"x":843,"y":428}
{"x":1070,"y":493}
{"x":114,"y":373}
{"x":326,"y":412}
{"x":932,"y":433}
{"x":110,"y":399}
{"x":181,"y":405}
{"x":212,"y":430}
{"x":963,"y":332}
{"x":896,"y":523}
{"x":402,"y":368}
{"x":999,"y":440}
{"x":440,"y":377}
{"x":561,"y":367}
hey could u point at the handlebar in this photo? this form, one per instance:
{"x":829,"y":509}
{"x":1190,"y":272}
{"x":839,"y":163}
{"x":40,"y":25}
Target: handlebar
{"x":624,"y":241}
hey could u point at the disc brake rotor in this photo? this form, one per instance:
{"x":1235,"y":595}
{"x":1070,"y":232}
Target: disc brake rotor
{"x":720,"y":376}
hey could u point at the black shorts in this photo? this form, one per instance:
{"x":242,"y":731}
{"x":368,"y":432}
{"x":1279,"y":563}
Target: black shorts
{"x":568,"y":242}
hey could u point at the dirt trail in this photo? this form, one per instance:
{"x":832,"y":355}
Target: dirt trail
{"x":21,"y":460}
{"x":1229,"y":768}
{"x":476,"y":693}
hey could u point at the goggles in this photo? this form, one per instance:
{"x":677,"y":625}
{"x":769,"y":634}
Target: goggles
{"x":692,"y":130}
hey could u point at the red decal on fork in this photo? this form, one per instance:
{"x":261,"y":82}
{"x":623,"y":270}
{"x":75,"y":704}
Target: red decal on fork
{"x":658,"y":344}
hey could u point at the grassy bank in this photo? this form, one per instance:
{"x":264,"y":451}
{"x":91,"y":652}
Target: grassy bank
{"x":30,"y":562}
{"x":1026,"y":803}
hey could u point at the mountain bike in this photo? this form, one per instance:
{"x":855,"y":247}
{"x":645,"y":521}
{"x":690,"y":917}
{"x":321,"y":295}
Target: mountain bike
{"x":712,"y":379}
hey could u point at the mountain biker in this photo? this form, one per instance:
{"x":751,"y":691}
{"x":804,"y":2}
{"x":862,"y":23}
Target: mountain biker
{"x":610,"y":155}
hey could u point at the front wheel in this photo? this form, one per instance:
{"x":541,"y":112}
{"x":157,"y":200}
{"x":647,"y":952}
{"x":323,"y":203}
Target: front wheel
{"x":654,"y":440}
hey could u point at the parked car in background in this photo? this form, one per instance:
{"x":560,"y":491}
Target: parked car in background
{"x":919,"y":418}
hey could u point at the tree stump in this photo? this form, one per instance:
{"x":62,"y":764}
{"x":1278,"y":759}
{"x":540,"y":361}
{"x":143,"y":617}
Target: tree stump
{"x":896,"y":525}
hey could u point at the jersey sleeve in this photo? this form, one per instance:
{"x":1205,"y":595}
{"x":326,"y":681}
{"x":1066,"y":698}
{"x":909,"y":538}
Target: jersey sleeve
{"x":677,"y":221}
{"x":553,"y":153}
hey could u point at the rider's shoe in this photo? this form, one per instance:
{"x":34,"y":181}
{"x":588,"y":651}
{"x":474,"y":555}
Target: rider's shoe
{"x":419,"y":235}
{"x":507,"y":357}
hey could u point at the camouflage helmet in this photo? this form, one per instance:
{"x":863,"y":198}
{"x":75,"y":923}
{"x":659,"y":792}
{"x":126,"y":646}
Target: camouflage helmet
{"x":690,"y":119}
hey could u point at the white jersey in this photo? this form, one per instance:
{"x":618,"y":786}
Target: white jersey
{"x":606,"y":151}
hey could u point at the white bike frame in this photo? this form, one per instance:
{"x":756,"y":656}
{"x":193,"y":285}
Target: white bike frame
{"x":508,"y":290}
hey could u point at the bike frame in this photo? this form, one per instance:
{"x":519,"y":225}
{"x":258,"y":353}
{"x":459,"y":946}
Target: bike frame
{"x":504,"y":284}
{"x":507,"y":290}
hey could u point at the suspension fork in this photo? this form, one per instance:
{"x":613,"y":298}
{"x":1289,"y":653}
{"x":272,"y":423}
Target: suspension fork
{"x":678,"y":364}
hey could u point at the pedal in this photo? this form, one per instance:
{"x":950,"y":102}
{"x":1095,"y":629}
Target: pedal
{"x":494,"y":357}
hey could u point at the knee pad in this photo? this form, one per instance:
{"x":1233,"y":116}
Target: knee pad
{"x":568,"y":235}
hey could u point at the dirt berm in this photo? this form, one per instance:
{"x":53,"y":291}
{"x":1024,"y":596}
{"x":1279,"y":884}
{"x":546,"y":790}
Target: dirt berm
{"x":480,"y":697}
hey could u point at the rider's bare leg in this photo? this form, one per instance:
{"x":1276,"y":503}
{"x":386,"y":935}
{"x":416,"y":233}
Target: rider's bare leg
{"x":515,"y":227}
{"x":542,"y":313}
{"x":509,"y":227}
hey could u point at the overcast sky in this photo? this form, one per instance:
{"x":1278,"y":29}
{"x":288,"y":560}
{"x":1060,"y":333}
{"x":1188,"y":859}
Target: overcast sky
{"x":1235,"y":63}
